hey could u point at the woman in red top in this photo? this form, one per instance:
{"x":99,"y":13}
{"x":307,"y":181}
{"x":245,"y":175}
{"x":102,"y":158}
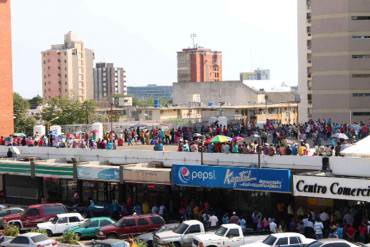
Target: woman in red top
{"x":349,"y":232}
{"x":362,"y":231}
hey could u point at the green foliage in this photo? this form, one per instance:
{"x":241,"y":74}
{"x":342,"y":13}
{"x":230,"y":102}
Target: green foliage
{"x":11,"y":231}
{"x":35,"y":101}
{"x":140,"y":243}
{"x":66,"y":111}
{"x":69,"y":238}
{"x":150,"y":102}
{"x":22,"y":122}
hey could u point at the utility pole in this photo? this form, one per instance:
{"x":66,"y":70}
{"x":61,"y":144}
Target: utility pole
{"x":193,"y":36}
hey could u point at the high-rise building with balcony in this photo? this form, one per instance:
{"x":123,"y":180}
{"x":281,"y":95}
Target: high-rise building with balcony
{"x":334,"y":59}
{"x":67,"y":70}
{"x":199,"y":65}
{"x":6,"y":87}
{"x":109,"y":81}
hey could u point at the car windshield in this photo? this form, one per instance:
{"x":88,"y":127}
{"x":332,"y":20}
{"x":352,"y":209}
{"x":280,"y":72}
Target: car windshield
{"x":221,"y":231}
{"x":54,"y":220}
{"x":167,"y":228}
{"x":315,"y":244}
{"x":270,"y":240}
{"x":181,"y":228}
{"x":39,"y":238}
{"x":86,"y":223}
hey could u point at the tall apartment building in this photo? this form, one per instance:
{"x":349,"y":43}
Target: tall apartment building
{"x":256,"y":75}
{"x":67,"y":70}
{"x":199,"y":65}
{"x":6,"y":87}
{"x":108,"y":81}
{"x":334,"y":59}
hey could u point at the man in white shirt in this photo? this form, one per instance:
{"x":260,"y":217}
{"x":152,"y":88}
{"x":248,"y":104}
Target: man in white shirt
{"x":272,"y":226}
{"x":213,"y":220}
{"x":318,"y":227}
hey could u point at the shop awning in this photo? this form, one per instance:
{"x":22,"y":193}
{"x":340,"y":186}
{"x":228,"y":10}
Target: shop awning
{"x":142,"y":173}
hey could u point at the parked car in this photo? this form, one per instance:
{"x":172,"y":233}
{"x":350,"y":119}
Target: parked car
{"x":286,"y":239}
{"x":60,"y":223}
{"x":333,"y":243}
{"x":131,"y":226}
{"x":181,"y":236}
{"x":227,"y":235}
{"x":34,"y":214}
{"x":110,"y":243}
{"x":8,"y":211}
{"x":30,"y":239}
{"x":90,"y":227}
{"x":148,"y":237}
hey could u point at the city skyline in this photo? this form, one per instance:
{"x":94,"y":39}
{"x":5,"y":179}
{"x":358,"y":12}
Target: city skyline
{"x":248,"y":33}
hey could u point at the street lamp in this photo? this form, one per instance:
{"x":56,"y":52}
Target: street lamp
{"x":258,"y":149}
{"x":201,"y":150}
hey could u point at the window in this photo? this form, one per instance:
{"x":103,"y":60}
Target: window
{"x":39,"y":238}
{"x":157,"y":220}
{"x":361,"y":114}
{"x":193,"y":229}
{"x":142,"y":222}
{"x":57,"y":209}
{"x":94,"y":224}
{"x":361,"y":94}
{"x":360,"y":36}
{"x":105,"y":223}
{"x":74,"y":219}
{"x":128,"y":222}
{"x":270,"y":240}
{"x":282,"y":241}
{"x":63,"y":220}
{"x":32,"y":212}
{"x":20,"y":240}
{"x":295,"y":240}
{"x":360,"y":75}
{"x":233,"y":233}
{"x":359,"y":57}
{"x":361,"y":18}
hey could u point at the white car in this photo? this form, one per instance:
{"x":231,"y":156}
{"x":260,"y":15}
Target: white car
{"x":286,"y":239}
{"x":61,"y":223}
{"x":334,"y":242}
{"x":30,"y":239}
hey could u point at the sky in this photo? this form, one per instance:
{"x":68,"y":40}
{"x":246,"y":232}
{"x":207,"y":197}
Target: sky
{"x":143,"y":36}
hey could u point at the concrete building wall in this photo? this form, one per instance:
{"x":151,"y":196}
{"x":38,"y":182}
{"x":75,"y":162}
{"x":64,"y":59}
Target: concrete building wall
{"x":67,"y":70}
{"x":199,"y":65}
{"x":227,"y":92}
{"x":340,"y":55}
{"x":6,"y":85}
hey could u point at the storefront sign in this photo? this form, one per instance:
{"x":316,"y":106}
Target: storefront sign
{"x":240,"y":178}
{"x":332,"y":187}
{"x":101,"y":173}
{"x":153,"y":176}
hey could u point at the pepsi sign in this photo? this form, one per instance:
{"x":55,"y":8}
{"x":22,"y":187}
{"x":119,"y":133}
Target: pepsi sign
{"x":241,"y":178}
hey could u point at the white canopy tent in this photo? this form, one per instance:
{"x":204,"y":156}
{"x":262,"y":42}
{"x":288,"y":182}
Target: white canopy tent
{"x":359,"y":149}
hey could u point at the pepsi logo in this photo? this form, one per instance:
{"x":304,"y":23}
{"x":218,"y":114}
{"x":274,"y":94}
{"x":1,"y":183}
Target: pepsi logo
{"x":184,"y":174}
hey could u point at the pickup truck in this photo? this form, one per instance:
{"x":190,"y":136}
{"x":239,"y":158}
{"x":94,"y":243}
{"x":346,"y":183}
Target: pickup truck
{"x":181,"y":236}
{"x":228,"y":235}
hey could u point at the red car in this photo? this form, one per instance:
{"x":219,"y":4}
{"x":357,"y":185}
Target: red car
{"x":131,"y":226}
{"x":35,"y":214}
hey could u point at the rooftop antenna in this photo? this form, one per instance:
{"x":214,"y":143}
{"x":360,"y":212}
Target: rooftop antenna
{"x":193,"y":36}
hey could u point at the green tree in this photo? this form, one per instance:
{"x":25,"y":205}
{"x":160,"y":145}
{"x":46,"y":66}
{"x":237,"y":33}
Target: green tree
{"x":22,"y":122}
{"x":87,"y":111}
{"x":35,"y":101}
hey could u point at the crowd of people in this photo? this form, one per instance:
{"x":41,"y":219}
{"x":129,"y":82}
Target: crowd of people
{"x":310,"y":138}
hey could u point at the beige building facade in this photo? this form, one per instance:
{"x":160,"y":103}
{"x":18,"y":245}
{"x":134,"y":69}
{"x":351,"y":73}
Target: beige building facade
{"x":67,"y":70}
{"x":334,"y":59}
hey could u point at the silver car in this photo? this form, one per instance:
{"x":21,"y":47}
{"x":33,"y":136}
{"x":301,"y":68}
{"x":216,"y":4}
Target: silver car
{"x":148,"y":237}
{"x":30,"y":239}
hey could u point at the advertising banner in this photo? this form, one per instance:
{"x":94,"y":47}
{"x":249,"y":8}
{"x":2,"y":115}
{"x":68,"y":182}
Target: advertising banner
{"x":332,"y":187}
{"x":100,"y":173}
{"x":230,"y":177}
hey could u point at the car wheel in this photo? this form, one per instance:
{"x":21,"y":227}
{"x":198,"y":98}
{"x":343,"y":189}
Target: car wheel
{"x":177,"y":244}
{"x":49,"y":233}
{"x":112,"y":235}
{"x":149,"y":243}
{"x":78,"y":235}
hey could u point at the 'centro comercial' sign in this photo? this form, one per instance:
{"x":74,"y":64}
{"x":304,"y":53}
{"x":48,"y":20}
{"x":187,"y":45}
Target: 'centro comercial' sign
{"x":332,"y":187}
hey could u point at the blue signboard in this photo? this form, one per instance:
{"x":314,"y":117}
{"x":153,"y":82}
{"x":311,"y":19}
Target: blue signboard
{"x":231,"y":177}
{"x":110,"y":174}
